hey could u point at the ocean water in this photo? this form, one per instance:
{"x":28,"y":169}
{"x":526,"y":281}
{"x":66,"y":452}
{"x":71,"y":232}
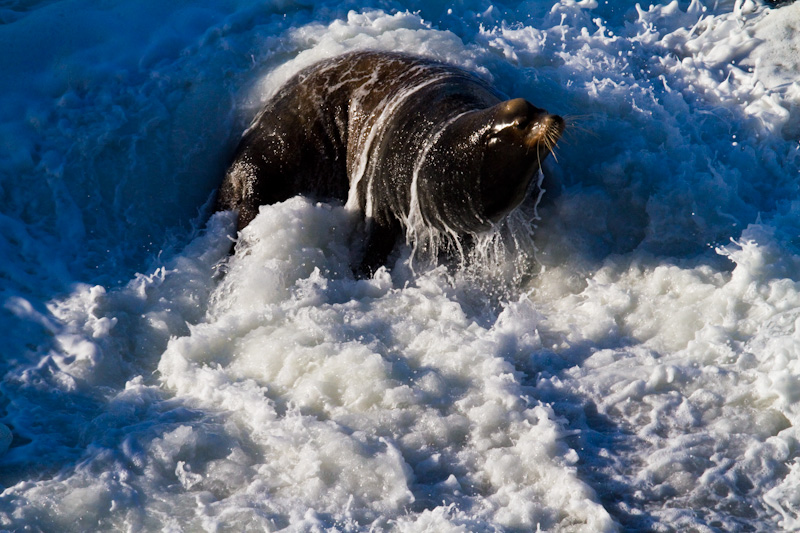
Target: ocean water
{"x":625,"y":356}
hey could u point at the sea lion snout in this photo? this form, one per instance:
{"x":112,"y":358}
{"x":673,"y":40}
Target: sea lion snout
{"x":544,"y":131}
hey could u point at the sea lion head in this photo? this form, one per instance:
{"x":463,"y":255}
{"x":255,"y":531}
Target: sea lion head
{"x":519,"y":138}
{"x":480,"y":165}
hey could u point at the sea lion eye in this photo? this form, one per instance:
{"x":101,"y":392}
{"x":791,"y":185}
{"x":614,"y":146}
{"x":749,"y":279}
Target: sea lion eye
{"x":490,"y":137}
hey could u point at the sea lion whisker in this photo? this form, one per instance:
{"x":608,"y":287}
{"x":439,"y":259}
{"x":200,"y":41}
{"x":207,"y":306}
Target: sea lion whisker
{"x":573,"y":130}
{"x":556,"y":137}
{"x":575,"y":119}
{"x":552,"y":151}
{"x":574,"y":126}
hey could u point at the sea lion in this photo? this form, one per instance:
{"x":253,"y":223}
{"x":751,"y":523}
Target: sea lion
{"x":405,"y":140}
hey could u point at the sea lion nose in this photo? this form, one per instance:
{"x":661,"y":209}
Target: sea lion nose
{"x":553,"y":122}
{"x":544,"y":132}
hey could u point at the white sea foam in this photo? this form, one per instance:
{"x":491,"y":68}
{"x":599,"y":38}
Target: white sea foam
{"x":632,"y":365}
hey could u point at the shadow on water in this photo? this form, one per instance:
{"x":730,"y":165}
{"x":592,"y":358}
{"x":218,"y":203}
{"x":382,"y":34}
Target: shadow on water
{"x":71,"y":397}
{"x":56,"y":428}
{"x":606,"y":450}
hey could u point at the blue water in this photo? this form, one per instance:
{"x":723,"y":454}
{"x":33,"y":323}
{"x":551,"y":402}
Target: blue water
{"x":635,"y":367}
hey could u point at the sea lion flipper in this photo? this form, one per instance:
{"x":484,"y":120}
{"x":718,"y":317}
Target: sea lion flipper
{"x":380,"y":242}
{"x":263,"y":172}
